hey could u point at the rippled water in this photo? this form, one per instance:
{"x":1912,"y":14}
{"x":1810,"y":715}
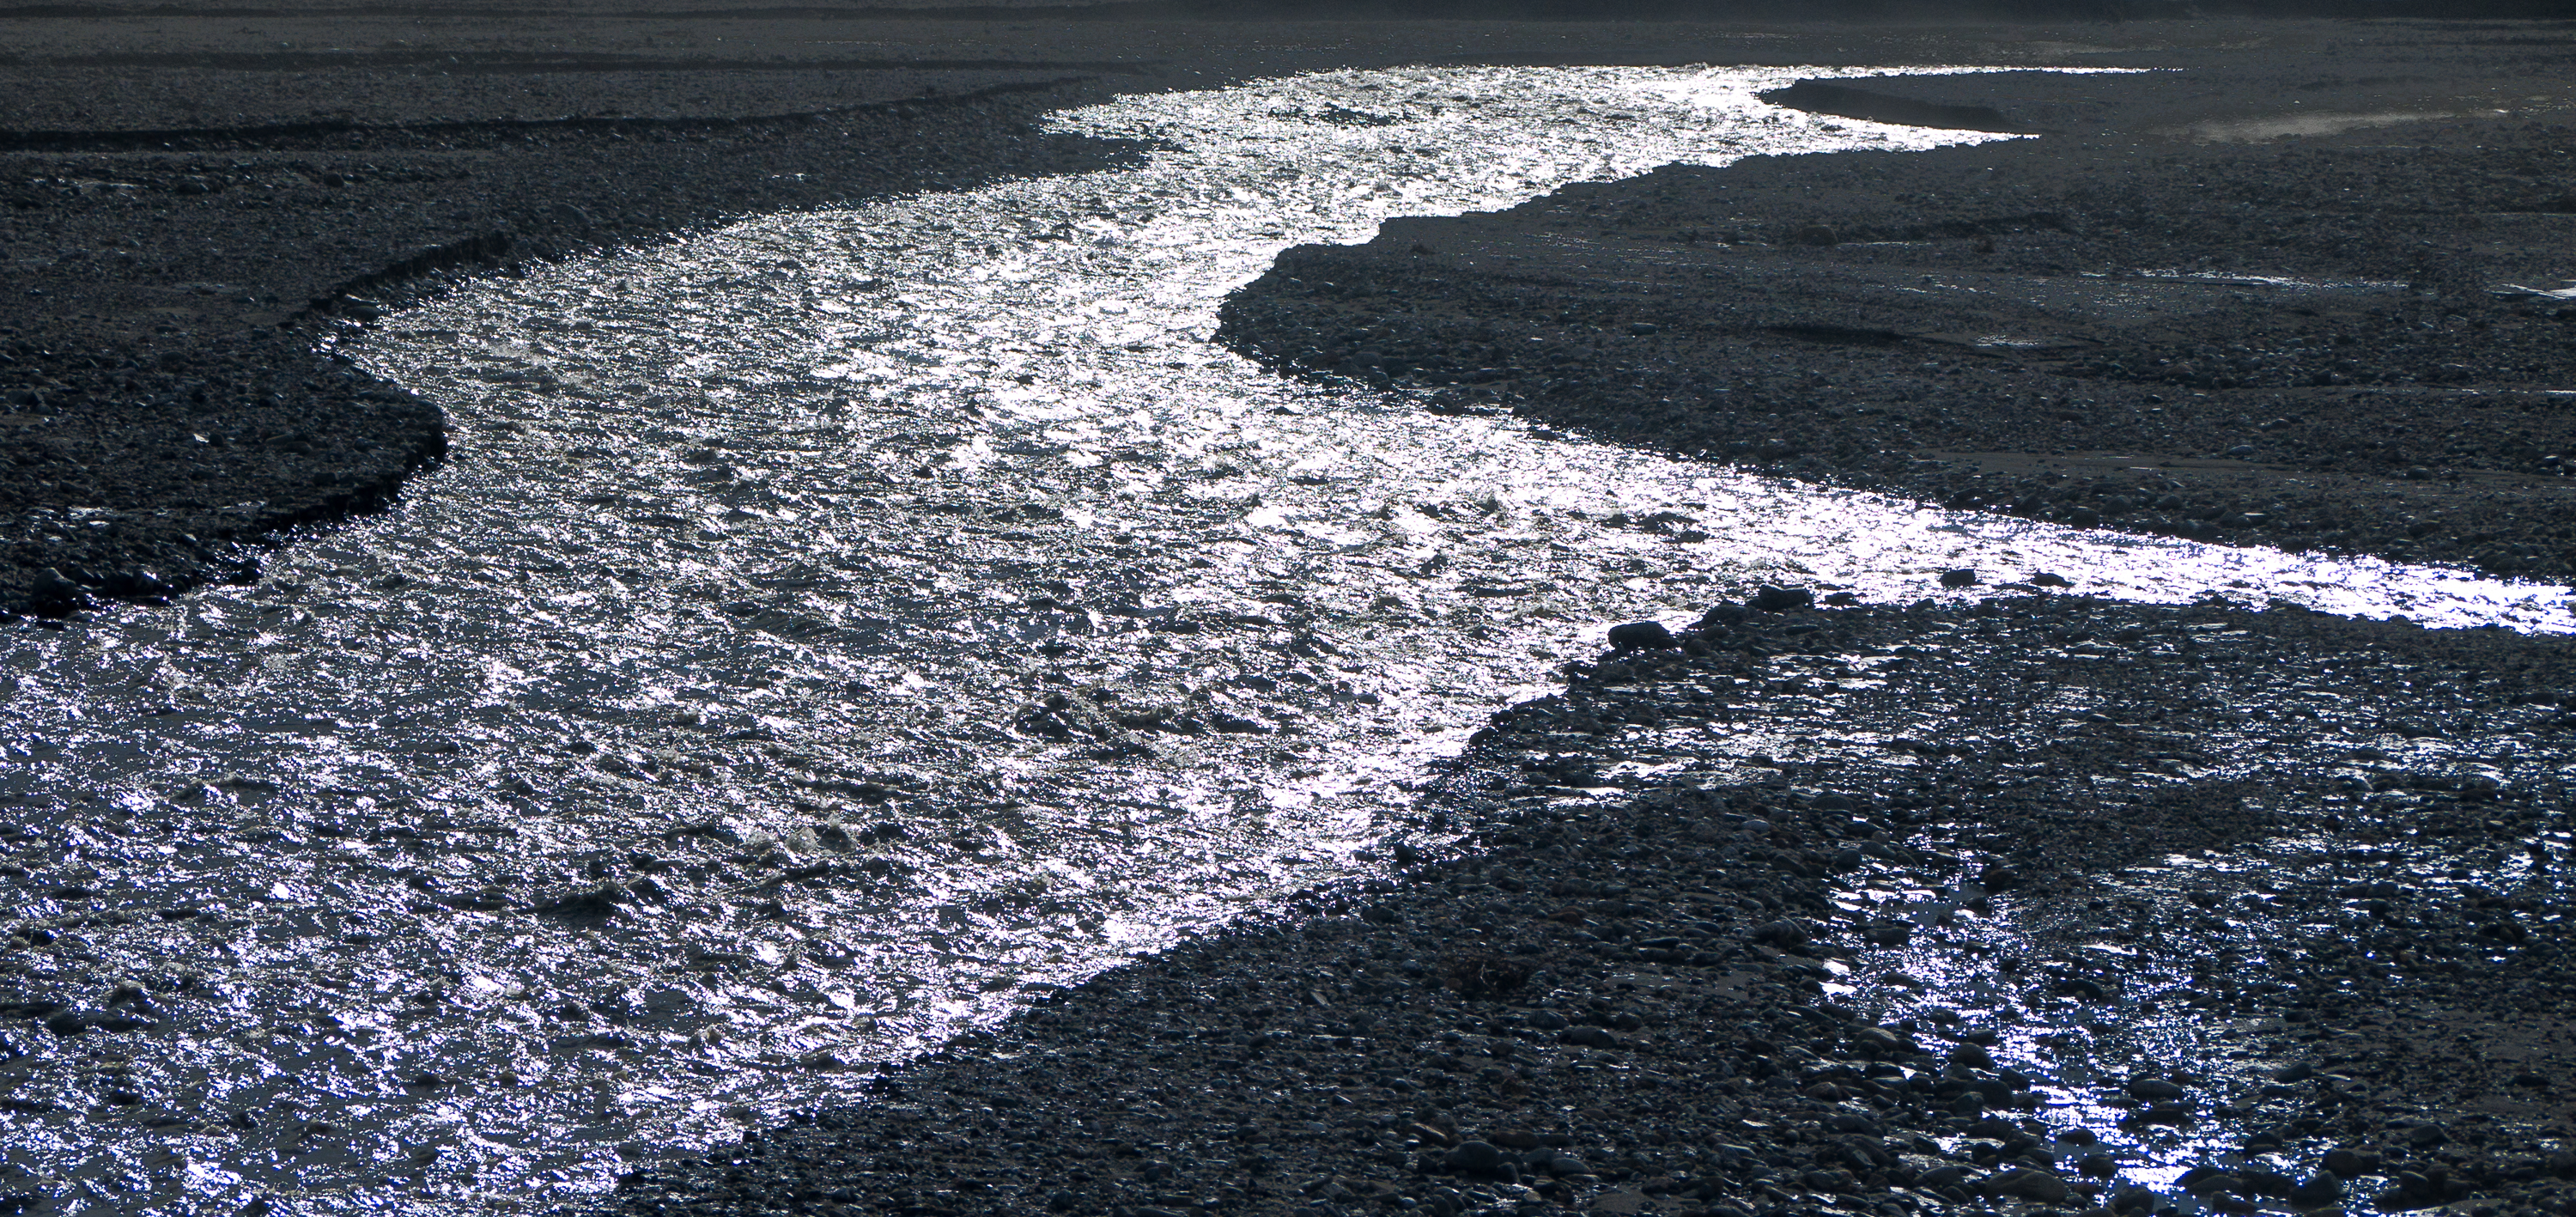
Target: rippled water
{"x":838,"y":626}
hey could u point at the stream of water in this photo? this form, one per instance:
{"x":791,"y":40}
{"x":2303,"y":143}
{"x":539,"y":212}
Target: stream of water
{"x":835,"y":628}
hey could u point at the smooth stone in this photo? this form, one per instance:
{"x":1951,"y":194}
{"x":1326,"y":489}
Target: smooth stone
{"x":1474,"y":1156}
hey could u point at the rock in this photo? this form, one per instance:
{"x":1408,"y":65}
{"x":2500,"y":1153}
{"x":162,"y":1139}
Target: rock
{"x":1888,"y":933}
{"x":1961,"y":577}
{"x":136,"y":584}
{"x":2208,"y":1181}
{"x":50,"y":588}
{"x":1589,"y":1037}
{"x":2348,"y":1163}
{"x":1721,"y":617}
{"x":2153,"y":1090}
{"x":2045,"y":579}
{"x":1781,"y":599}
{"x":2267,"y":1182}
{"x":1642,"y":635}
{"x":1475,"y":1156}
{"x":2241,"y":451}
{"x":2426,"y":1136}
{"x":2320,"y":1189}
{"x":1565,"y":1165}
{"x":75,"y":1022}
{"x":2029,"y":1184}
{"x":595,"y":903}
{"x":1972,"y":1056}
{"x":1786,"y":934}
{"x":1516,"y":1138}
{"x":2409,"y":1191}
{"x":1882,"y":1039}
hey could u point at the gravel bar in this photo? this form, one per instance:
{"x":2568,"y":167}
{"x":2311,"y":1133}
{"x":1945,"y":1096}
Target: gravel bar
{"x":1647,"y":982}
{"x":2353,"y":340}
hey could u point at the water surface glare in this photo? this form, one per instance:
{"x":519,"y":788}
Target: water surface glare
{"x":839,"y":626}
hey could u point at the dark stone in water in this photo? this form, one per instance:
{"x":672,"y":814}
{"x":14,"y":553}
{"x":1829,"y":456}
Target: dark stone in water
{"x":1719,"y":618}
{"x":1641,"y":635}
{"x":1962,"y":577}
{"x":1781,"y":599}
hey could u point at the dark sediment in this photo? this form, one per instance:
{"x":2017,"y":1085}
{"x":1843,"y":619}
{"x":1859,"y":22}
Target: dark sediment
{"x":2309,"y":344}
{"x":1615,"y":1000}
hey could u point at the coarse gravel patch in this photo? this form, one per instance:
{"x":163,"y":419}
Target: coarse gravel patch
{"x":2346,"y":343}
{"x":1648,"y":980}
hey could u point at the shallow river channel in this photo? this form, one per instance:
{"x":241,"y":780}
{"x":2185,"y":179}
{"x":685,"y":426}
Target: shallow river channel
{"x":836,"y":628}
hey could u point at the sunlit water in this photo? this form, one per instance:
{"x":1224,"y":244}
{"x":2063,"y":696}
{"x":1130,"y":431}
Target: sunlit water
{"x":900,"y":609}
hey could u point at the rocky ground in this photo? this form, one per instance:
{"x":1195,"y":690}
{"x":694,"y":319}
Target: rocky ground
{"x":2053,"y":905}
{"x":2142,"y":319}
{"x":178,"y":249}
{"x":1932,"y":954}
{"x":2027,"y":908}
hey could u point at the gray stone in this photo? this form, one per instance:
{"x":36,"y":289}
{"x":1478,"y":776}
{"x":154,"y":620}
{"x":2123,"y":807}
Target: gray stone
{"x":1785,"y":934}
{"x":2321,"y":1189}
{"x":1475,"y":1156}
{"x":2154,"y":1090}
{"x":2029,"y":1184}
{"x":2348,"y":1163}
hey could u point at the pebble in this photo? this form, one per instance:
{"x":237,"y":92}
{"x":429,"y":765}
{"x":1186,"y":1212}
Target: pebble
{"x":1961,"y":577}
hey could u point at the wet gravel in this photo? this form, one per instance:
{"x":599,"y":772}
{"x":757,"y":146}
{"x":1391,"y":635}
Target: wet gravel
{"x":1964,"y":940}
{"x":2308,"y":343}
{"x":165,"y":420}
{"x":1739,"y":905}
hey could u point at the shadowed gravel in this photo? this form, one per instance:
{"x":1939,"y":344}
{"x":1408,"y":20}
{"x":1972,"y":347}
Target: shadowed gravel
{"x":1653,"y":981}
{"x":2344,"y":343}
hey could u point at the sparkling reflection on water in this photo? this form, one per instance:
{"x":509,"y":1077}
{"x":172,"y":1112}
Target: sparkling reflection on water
{"x":839,"y":626}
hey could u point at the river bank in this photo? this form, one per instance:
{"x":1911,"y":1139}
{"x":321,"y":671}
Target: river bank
{"x":2047,"y":905}
{"x":2145,"y":319}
